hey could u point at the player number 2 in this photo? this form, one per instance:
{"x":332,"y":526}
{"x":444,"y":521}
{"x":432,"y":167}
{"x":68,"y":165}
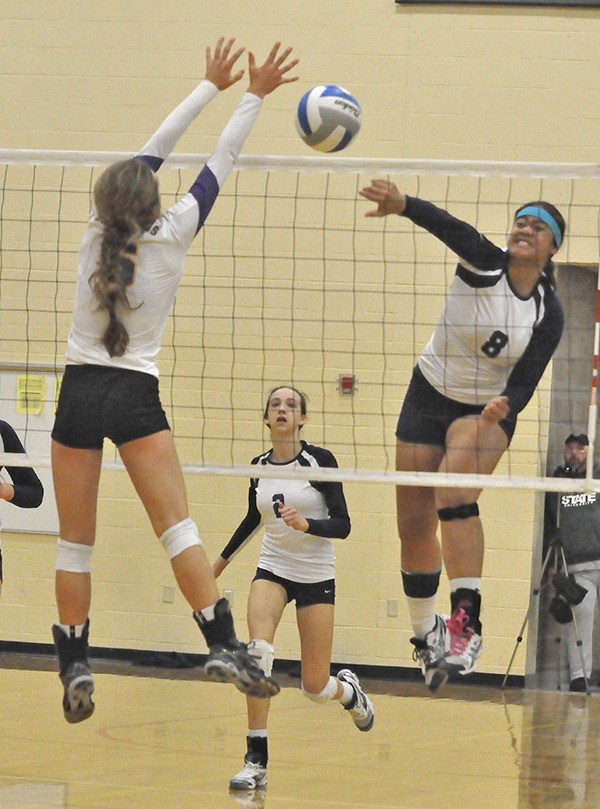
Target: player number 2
{"x":278,"y":500}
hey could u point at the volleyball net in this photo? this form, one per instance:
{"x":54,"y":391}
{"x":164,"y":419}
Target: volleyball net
{"x":289,"y":283}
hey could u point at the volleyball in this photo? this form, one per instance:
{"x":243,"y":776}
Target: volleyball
{"x":328,"y":118}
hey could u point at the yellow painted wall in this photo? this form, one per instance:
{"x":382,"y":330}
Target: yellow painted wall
{"x":434,"y":82}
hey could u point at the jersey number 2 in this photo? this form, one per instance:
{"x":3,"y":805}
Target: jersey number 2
{"x":278,"y":500}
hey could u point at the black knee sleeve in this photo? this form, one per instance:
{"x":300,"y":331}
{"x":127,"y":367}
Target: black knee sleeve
{"x":420,"y":585}
{"x":462,"y":512}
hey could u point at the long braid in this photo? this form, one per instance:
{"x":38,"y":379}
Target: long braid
{"x":109,"y":282}
{"x":126,"y":197}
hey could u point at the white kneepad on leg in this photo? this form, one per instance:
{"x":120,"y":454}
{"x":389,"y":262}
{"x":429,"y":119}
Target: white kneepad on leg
{"x":73,"y":557}
{"x":327,"y":694}
{"x":264,"y":654}
{"x":179,"y":537}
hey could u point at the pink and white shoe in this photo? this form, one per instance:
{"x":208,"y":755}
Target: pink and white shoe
{"x":465,"y":645}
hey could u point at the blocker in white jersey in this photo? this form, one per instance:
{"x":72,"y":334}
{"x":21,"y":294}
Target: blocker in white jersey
{"x":130,"y":265}
{"x":498,"y":330}
{"x":300,"y":519}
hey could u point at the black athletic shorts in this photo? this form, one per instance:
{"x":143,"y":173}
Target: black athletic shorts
{"x":426,"y":414}
{"x":97,"y":402}
{"x":320,"y":592}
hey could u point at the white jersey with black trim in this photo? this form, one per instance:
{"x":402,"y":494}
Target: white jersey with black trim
{"x":489,"y":341}
{"x":301,"y":557}
{"x":155,"y":266}
{"x":481,"y":333}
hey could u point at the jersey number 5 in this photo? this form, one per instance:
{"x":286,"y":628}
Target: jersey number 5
{"x":278,"y":500}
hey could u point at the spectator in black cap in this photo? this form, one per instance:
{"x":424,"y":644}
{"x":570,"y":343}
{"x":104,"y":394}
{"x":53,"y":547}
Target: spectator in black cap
{"x":576,"y":527}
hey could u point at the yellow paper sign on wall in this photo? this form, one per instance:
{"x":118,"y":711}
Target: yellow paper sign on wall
{"x":31,"y":395}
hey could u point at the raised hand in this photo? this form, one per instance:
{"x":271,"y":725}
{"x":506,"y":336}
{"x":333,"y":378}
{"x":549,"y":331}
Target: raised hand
{"x":387,"y":196}
{"x":220,"y":65}
{"x":270,"y":75}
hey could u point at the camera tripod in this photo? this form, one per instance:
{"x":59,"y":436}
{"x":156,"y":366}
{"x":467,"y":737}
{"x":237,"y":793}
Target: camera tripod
{"x":569,"y":593}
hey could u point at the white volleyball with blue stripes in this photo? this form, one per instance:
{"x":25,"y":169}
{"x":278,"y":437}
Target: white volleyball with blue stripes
{"x":328,"y":118}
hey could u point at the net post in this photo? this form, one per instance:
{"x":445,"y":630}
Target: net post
{"x":593,"y":409}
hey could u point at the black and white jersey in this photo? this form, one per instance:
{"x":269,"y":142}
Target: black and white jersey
{"x":489,"y":341}
{"x":29,"y":491}
{"x":301,"y":557}
{"x":156,"y":266}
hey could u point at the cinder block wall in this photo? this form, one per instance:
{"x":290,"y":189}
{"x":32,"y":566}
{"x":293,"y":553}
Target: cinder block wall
{"x":437,"y":82}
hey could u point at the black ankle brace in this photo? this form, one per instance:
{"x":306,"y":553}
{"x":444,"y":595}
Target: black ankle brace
{"x":220,"y":629}
{"x":257,"y":750}
{"x":71,"y":649}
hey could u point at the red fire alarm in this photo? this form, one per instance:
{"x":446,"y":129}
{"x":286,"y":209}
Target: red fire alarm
{"x":347,"y":384}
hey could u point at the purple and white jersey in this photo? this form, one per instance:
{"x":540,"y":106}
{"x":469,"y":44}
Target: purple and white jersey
{"x":156,"y":263}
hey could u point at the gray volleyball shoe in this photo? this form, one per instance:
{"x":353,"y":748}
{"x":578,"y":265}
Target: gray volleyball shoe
{"x":228,"y":659}
{"x":360,"y":708}
{"x":430,"y":652}
{"x":75,"y":674}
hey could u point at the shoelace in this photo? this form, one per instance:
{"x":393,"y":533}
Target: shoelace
{"x":250,"y":770}
{"x":360,"y":706}
{"x":423,"y":655}
{"x":460,"y":635}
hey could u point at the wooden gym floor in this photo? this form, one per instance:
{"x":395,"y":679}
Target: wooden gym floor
{"x":167,"y":740}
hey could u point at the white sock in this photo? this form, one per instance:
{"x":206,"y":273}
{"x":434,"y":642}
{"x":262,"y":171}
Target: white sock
{"x":66,"y":628}
{"x":422,"y":615}
{"x":208,"y":613}
{"x":347,"y":693}
{"x":466,"y":582}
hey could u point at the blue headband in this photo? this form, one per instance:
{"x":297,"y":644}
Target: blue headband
{"x":545,"y":217}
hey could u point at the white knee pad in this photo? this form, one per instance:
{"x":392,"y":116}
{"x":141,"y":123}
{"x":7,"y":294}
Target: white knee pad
{"x":264,"y":654}
{"x":179,"y":537}
{"x":327,"y":694}
{"x":73,"y":556}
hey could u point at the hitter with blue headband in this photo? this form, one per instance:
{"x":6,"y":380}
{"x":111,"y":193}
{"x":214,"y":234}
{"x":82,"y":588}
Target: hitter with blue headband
{"x":536,"y":210}
{"x":499,"y":328}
